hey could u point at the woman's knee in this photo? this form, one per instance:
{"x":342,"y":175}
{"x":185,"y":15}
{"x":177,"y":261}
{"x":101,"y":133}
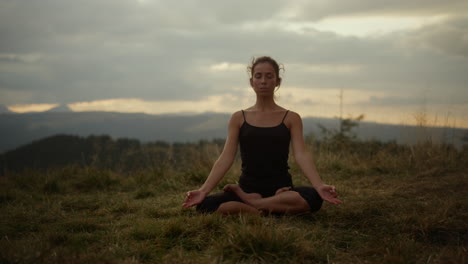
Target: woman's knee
{"x":299,"y":203}
{"x":212,"y":202}
{"x":310,"y":196}
{"x":207,"y":206}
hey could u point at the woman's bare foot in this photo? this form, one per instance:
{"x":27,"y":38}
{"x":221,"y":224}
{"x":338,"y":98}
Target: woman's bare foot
{"x":248,"y":198}
{"x":284,"y":189}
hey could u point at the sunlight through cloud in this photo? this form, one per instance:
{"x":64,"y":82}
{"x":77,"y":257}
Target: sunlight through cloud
{"x":25,"y":108}
{"x":217,"y":103}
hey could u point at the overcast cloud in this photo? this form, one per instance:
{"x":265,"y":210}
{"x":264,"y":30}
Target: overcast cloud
{"x":86,"y":52}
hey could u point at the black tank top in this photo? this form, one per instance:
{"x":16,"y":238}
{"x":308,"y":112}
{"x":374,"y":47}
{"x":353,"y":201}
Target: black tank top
{"x":264,"y":153}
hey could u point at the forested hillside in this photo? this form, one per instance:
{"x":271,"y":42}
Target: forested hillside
{"x":100,"y":152}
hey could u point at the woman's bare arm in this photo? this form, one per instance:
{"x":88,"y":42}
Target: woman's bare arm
{"x":304,"y":160}
{"x":222,"y":164}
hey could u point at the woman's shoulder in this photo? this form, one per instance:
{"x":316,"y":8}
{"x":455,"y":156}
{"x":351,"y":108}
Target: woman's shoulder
{"x":237,"y":114}
{"x":237,"y":118}
{"x":293,"y":115}
{"x":292,"y":119}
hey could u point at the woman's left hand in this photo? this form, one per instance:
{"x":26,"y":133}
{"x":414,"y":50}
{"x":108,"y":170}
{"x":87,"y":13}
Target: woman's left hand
{"x":328,"y":193}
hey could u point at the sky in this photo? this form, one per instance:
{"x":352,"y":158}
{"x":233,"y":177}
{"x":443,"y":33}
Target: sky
{"x":402,"y":62}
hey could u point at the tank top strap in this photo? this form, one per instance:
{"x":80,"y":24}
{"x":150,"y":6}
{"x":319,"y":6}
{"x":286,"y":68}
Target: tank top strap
{"x":243,"y":114}
{"x":284,"y":117}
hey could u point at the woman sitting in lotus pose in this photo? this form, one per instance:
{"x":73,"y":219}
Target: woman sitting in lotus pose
{"x":264,"y":132}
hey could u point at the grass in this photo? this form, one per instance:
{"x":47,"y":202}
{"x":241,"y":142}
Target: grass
{"x":401,"y":205}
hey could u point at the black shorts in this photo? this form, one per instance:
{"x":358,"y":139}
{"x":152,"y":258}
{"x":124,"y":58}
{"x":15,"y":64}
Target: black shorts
{"x":212,"y":202}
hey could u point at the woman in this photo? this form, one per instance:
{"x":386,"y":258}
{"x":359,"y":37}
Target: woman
{"x":264,"y":132}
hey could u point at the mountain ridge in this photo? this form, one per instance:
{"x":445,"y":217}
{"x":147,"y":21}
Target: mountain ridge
{"x":20,"y":129}
{"x":5,"y":110}
{"x":60,"y":108}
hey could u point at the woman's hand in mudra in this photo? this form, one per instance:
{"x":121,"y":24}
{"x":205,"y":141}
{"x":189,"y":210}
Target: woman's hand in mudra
{"x":194,"y":198}
{"x":328,"y":193}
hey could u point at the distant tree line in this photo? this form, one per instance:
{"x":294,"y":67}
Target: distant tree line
{"x":102,"y":152}
{"x":130,"y":155}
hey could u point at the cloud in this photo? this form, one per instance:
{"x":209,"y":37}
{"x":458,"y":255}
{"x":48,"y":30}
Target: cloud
{"x":450,"y":36}
{"x":21,"y":58}
{"x":20,"y":108}
{"x":226,"y":66}
{"x":218,"y":103}
{"x":316,"y":10}
{"x":396,"y":101}
{"x":181,"y":53}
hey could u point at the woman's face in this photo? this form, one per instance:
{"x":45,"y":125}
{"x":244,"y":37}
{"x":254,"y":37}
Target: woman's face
{"x":264,"y":79}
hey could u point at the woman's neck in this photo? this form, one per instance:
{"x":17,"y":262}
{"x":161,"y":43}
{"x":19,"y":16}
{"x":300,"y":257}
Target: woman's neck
{"x":265,"y":104}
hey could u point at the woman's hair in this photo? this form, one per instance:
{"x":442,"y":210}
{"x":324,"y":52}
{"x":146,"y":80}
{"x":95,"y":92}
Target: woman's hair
{"x":265,"y":59}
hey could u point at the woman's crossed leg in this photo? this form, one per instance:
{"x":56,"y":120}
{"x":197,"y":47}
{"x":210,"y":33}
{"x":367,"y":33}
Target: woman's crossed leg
{"x":284,"y":201}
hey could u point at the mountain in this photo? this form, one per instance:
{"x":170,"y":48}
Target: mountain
{"x":60,"y":108}
{"x":5,"y":110}
{"x":20,"y":129}
{"x":17,"y":130}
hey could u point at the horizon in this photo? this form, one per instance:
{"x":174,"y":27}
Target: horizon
{"x":418,"y":118}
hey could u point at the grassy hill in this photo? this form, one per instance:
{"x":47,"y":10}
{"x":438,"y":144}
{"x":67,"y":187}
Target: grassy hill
{"x":402,"y":204}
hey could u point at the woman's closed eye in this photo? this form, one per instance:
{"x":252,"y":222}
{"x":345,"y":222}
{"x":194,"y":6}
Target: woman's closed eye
{"x":268,"y":76}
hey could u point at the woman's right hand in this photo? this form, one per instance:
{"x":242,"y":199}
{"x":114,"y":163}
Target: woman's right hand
{"x":194,"y":198}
